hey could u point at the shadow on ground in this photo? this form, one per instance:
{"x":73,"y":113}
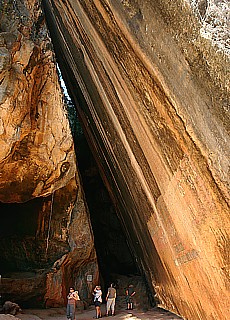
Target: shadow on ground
{"x":59,"y":314}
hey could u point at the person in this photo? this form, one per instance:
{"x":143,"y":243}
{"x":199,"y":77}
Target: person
{"x":97,"y":301}
{"x":110,"y":298}
{"x":71,"y":303}
{"x":129,"y":297}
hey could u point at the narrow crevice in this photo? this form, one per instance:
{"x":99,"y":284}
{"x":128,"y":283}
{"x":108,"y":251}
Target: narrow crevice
{"x":116,"y":260}
{"x":113,"y":252}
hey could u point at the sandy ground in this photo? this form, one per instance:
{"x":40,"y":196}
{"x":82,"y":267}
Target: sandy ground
{"x":59,"y":314}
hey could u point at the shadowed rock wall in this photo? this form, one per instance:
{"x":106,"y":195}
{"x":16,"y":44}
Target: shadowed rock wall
{"x":152,"y":96}
{"x":45,"y":232}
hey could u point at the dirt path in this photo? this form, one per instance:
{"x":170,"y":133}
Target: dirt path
{"x":59,"y":314}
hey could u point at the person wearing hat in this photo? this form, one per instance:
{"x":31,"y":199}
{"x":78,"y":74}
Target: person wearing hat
{"x":71,"y":303}
{"x":97,"y":301}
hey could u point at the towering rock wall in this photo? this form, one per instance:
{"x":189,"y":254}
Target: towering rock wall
{"x":45,"y":233}
{"x":152,"y":96}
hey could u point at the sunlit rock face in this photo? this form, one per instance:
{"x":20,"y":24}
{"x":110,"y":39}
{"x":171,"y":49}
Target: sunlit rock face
{"x":45,"y":233}
{"x":153,"y":99}
{"x":35,"y":159}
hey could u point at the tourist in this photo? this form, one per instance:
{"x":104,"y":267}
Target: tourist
{"x":71,"y":303}
{"x":110,"y":298}
{"x":97,"y":300}
{"x":129,"y":297}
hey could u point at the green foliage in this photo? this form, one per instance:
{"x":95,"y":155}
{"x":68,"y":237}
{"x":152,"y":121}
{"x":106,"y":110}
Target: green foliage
{"x":74,"y":122}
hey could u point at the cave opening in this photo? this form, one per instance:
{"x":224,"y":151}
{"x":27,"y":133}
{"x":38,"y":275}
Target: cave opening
{"x":25,"y":238}
{"x":114,"y":255}
{"x":18,"y":223}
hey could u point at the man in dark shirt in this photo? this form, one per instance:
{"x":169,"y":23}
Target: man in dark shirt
{"x":129,"y":297}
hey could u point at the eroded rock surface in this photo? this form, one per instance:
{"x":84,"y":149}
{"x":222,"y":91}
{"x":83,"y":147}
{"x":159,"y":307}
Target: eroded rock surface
{"x":45,"y":233}
{"x":153,"y":98}
{"x":37,"y":155}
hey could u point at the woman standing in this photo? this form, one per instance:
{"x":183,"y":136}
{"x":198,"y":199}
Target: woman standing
{"x":97,"y":301}
{"x":71,"y":304}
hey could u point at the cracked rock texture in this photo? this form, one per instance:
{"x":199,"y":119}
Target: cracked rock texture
{"x":37,"y":155}
{"x":45,"y":232}
{"x":153,"y":98}
{"x":214,"y":16}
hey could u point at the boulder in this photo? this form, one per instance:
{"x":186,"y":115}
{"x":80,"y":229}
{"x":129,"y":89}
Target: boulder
{"x":11,"y":308}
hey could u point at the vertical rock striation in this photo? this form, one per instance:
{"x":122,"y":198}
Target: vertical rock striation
{"x":46,"y":238}
{"x":153,"y":98}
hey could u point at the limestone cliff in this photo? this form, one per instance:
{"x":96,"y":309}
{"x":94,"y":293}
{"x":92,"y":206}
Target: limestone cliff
{"x":45,"y":232}
{"x":152,"y":94}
